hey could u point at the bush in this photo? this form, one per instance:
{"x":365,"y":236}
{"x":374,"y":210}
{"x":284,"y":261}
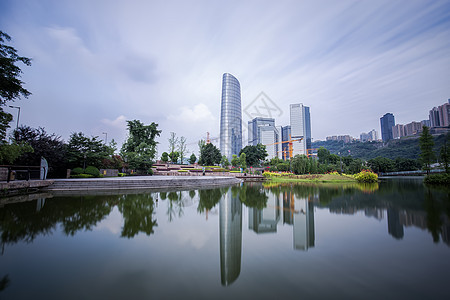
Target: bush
{"x":92,"y":171}
{"x":121,"y":174}
{"x":283,"y":167}
{"x":438,"y":179}
{"x":366,"y":176}
{"x":76,"y":171}
{"x":82,"y":176}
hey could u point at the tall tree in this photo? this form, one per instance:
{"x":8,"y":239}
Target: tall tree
{"x":192,"y":159}
{"x":426,"y":144}
{"x":83,"y":151}
{"x":254,"y":154}
{"x":182,"y":148}
{"x":140,"y":148}
{"x":210,"y":155}
{"x":173,"y":141}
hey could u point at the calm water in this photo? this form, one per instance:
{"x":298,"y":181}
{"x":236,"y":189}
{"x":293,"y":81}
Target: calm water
{"x":389,"y":241}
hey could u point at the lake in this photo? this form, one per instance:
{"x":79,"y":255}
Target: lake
{"x":254,"y":241}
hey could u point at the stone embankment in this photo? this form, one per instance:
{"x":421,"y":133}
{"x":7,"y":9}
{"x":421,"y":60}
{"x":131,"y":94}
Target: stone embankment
{"x":140,"y":182}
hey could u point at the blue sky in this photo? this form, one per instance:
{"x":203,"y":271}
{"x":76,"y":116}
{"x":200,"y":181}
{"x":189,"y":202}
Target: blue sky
{"x":99,"y":63}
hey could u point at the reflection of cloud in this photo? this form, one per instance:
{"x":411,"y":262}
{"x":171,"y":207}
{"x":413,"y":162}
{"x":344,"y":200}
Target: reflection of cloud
{"x":199,"y":113}
{"x":113,"y":223}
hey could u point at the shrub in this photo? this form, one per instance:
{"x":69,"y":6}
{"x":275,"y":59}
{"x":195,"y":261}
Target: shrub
{"x":92,"y":171}
{"x":121,"y":174}
{"x":183,"y":171}
{"x":438,"y":179}
{"x":82,"y":176}
{"x":76,"y":171}
{"x":366,"y":176}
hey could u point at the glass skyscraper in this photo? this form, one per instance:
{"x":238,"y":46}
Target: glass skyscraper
{"x":230,"y":117}
{"x":387,"y":122}
{"x":300,"y":122}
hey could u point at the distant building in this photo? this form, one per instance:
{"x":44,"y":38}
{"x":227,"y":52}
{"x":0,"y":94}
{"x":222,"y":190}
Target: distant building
{"x":373,"y":134}
{"x":285,"y":136}
{"x":341,"y":138}
{"x":263,"y":131}
{"x":387,"y":122}
{"x":398,"y":131}
{"x":413,"y":128}
{"x":440,"y":116}
{"x":300,"y":121}
{"x":230,"y":117}
{"x":426,"y":123}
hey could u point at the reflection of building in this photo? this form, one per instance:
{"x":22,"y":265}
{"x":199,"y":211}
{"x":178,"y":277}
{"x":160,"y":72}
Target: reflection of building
{"x":230,"y":238}
{"x":266,"y":219}
{"x":288,"y":208}
{"x":230,"y":117}
{"x":377,"y":213}
{"x":303,"y":224}
{"x":395,"y":228}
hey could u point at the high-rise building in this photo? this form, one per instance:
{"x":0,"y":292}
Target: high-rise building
{"x":373,"y":135}
{"x":440,"y":116}
{"x":398,"y":131}
{"x":387,"y":122}
{"x":263,"y":131}
{"x":230,"y":117}
{"x":285,"y":136}
{"x":300,"y":122}
{"x":413,"y":128}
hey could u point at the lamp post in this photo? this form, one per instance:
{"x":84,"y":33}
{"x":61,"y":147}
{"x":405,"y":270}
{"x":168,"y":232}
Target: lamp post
{"x":106,"y":137}
{"x":18,"y":114}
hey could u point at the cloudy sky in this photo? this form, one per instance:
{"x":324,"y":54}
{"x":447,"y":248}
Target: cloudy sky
{"x":98,"y":63}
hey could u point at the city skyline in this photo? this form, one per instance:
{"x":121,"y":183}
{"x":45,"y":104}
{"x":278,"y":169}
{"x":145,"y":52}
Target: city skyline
{"x":96,"y":65}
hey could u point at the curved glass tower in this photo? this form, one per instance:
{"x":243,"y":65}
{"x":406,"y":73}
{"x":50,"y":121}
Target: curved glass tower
{"x":230,"y":117}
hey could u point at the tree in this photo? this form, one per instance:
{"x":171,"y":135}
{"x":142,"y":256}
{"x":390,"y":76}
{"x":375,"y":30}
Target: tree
{"x":182,"y":148}
{"x":140,"y":148}
{"x":173,"y":141}
{"x":254,"y":154}
{"x":224,"y":162}
{"x":426,"y":144}
{"x":192,"y":159}
{"x":444,"y":154}
{"x":165,"y":157}
{"x":49,"y":146}
{"x":174,"y":156}
{"x":323,"y":155}
{"x":381,"y":164}
{"x":243,"y":161}
{"x":235,"y":161}
{"x":83,"y":151}
{"x":210,"y":155}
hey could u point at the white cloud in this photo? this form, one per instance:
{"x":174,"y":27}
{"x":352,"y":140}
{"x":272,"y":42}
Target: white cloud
{"x":199,"y":113}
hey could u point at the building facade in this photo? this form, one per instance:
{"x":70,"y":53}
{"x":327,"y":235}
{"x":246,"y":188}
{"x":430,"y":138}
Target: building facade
{"x":230,"y":117}
{"x":285,"y":136}
{"x":387,"y":122}
{"x":440,"y":116}
{"x":263,"y":131}
{"x":300,"y":123}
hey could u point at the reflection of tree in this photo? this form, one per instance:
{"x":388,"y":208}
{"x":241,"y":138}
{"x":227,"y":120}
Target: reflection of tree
{"x":253,"y":196}
{"x":208,"y":199}
{"x":434,"y":222}
{"x":137,"y":212}
{"x":4,"y":282}
{"x":163,"y":195}
{"x":175,"y":205}
{"x":192,"y":194}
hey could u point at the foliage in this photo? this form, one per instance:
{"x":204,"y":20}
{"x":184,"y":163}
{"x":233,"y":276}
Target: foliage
{"x":5,"y":119}
{"x":140,"y":148}
{"x":242,"y":160}
{"x":283,"y":167}
{"x":174,"y":156}
{"x":440,"y":179}
{"x":82,"y":176}
{"x":323,"y":155}
{"x":92,"y":171}
{"x":77,"y":171}
{"x":254,"y":154}
{"x":381,"y":164}
{"x":114,"y":162}
{"x":426,"y":144}
{"x":252,"y":196}
{"x":366,"y":176}
{"x":235,"y":161}
{"x":82,"y":151}
{"x":182,"y":148}
{"x":165,"y":157}
{"x":10,"y":152}
{"x":208,"y":199}
{"x":444,"y":155}
{"x":301,"y":164}
{"x":49,"y":146}
{"x":209,"y":155}
{"x":173,"y":141}
{"x":192,"y":159}
{"x":224,"y":161}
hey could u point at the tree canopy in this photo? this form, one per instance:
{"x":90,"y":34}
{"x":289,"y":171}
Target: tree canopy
{"x":426,"y":144}
{"x":209,"y":155}
{"x":254,"y":155}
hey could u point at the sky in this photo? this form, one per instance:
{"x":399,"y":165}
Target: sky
{"x":98,"y":63}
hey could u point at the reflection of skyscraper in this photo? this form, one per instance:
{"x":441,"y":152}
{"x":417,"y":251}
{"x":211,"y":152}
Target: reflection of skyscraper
{"x":288,"y":208}
{"x":394,"y":227}
{"x":230,"y":117}
{"x":266,"y":219}
{"x":303,"y":224}
{"x":230,"y":238}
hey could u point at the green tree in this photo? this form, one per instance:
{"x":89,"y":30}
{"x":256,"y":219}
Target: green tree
{"x":210,"y":155}
{"x":300,"y":164}
{"x":174,"y":156}
{"x":140,"y":148}
{"x":83,"y":151}
{"x":173,"y":141}
{"x":235,"y":161}
{"x":243,"y":160}
{"x":426,"y":144}
{"x":444,"y":154}
{"x":254,"y":154}
{"x":224,"y":161}
{"x":165,"y":157}
{"x":192,"y":159}
{"x":182,"y":148}
{"x":323,"y":155}
{"x":381,"y":164}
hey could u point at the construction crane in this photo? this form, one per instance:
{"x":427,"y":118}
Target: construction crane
{"x":209,"y":139}
{"x":290,"y":143}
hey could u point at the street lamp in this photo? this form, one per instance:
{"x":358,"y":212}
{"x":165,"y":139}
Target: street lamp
{"x":18,"y":114}
{"x":106,"y":137}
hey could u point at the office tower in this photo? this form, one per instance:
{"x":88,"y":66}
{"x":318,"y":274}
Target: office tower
{"x":285,"y":136}
{"x":364,"y":137}
{"x":300,"y":122}
{"x":230,"y":117}
{"x":279,"y":145}
{"x":263,"y":131}
{"x":440,"y":116}
{"x":387,"y":122}
{"x":230,"y":219}
{"x":373,"y":135}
